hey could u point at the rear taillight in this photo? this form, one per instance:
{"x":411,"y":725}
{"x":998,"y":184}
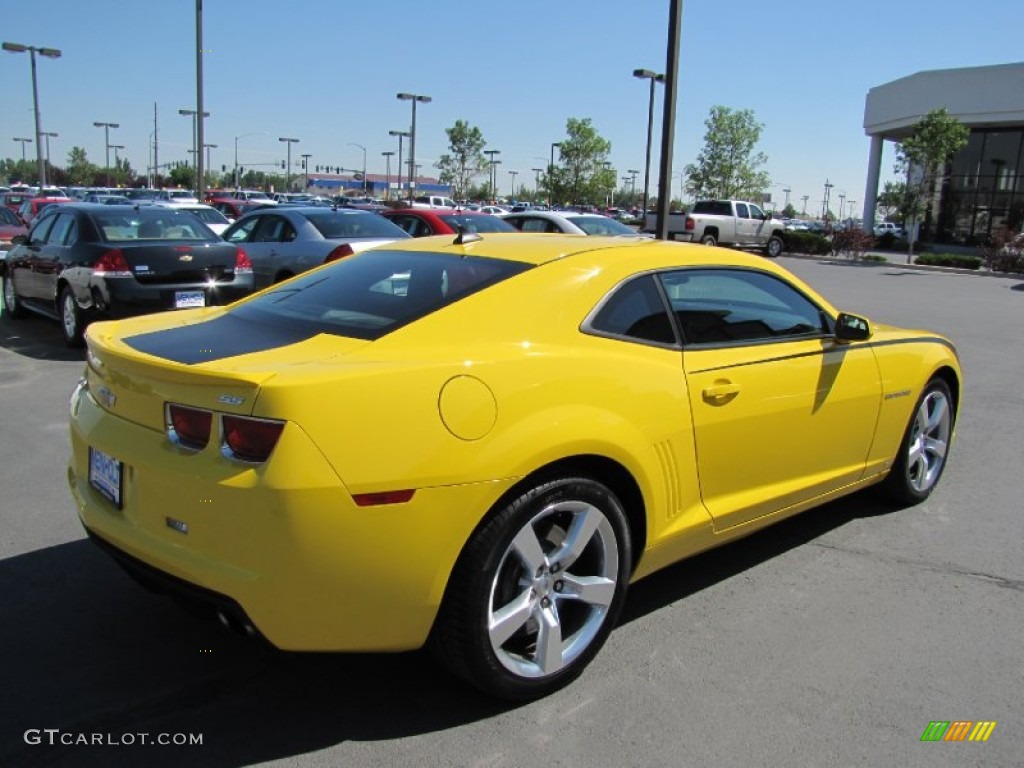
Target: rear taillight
{"x":242,"y":263}
{"x":340,"y":252}
{"x":249,"y":440}
{"x":112,"y":264}
{"x":188,"y":427}
{"x":690,"y":224}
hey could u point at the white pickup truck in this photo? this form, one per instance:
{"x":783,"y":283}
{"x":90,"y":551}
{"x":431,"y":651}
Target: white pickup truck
{"x":433,"y":201}
{"x":735,"y":223}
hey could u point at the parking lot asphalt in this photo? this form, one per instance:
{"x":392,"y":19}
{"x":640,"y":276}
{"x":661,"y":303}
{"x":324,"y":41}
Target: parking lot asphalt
{"x":832,"y":639}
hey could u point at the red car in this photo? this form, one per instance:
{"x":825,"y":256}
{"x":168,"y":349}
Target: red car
{"x":420,"y":222}
{"x":10,"y":227}
{"x":13,"y":200}
{"x":33,"y":206}
{"x":234,"y":207}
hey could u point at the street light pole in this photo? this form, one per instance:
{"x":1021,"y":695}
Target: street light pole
{"x":824,"y":212}
{"x":23,"y":141}
{"x":288,"y":171}
{"x":116,"y":147}
{"x":513,"y":174}
{"x":647,"y":74}
{"x":106,"y":140}
{"x":208,"y":147}
{"x":305,"y":170}
{"x":491,"y":181}
{"x":353,"y":144}
{"x":536,"y":182}
{"x":633,"y":174}
{"x":48,"y":134}
{"x":387,"y":173}
{"x":401,"y":135}
{"x":551,"y":168}
{"x":805,"y":198}
{"x":244,"y":135}
{"x":51,"y":53}
{"x":413,"y":97}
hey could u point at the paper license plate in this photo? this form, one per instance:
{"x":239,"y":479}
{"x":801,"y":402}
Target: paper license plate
{"x":105,"y":474}
{"x":189,"y":299}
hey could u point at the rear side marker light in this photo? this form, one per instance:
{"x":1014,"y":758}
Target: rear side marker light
{"x":340,"y":252}
{"x":249,"y":440}
{"x":188,"y":427}
{"x":384,"y":497}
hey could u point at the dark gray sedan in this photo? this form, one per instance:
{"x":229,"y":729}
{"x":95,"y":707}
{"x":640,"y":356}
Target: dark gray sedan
{"x":283,"y":241}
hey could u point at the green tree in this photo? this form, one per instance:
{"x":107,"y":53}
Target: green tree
{"x":728,"y":167}
{"x":466,"y":160}
{"x":890,"y":199}
{"x":583,"y":174}
{"x":80,"y":171}
{"x":183,"y":176}
{"x":789,"y":211}
{"x":923,"y":158}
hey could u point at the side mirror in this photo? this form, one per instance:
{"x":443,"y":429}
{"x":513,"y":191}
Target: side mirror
{"x":19,"y":239}
{"x":852,"y":328}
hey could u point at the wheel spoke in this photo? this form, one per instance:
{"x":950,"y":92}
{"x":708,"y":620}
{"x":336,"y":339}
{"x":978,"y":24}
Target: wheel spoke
{"x":527,"y":547}
{"x":549,"y":641}
{"x":594,"y":590}
{"x":938,"y":414}
{"x":509,"y":619}
{"x":935,"y":447}
{"x":584,"y":525}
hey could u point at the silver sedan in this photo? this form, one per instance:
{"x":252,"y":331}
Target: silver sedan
{"x":282,"y":241}
{"x":568,"y":222}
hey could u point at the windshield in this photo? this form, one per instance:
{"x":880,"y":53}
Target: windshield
{"x":126,"y":226}
{"x":372,"y":294}
{"x":336,"y":225}
{"x":601,"y":225}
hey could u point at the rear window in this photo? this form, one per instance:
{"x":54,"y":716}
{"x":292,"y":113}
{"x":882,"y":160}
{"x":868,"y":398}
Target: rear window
{"x":482,"y":223}
{"x":372,"y":294}
{"x":713,"y":207}
{"x":601,"y":225}
{"x":149,"y":224}
{"x":336,"y":225}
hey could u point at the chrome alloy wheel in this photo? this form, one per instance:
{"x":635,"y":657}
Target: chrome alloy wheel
{"x":553,"y":589}
{"x":928,"y":440}
{"x":69,"y":315}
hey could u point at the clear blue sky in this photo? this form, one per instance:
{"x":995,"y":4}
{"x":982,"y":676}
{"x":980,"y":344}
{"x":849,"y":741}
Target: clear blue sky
{"x":327,"y":71}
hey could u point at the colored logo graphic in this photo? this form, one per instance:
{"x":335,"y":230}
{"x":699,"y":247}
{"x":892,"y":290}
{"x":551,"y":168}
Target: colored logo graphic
{"x":958,"y":730}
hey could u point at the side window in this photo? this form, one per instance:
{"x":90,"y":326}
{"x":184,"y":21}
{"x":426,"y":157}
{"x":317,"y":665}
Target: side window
{"x":242,"y":234}
{"x":37,"y":236}
{"x":268,"y":230}
{"x":287,"y":231}
{"x":528,"y":224}
{"x":716,"y":306}
{"x":59,"y":231}
{"x":741,"y":211}
{"x":756,"y":213}
{"x":636,"y":310}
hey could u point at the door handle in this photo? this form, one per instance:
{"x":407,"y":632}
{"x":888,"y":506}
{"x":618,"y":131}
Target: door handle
{"x":720,"y":392}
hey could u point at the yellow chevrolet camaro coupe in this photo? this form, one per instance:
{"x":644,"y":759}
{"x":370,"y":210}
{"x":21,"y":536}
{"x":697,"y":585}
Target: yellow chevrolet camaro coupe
{"x":476,"y":445}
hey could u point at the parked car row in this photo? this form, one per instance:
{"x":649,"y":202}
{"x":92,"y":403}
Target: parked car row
{"x":80,"y":262}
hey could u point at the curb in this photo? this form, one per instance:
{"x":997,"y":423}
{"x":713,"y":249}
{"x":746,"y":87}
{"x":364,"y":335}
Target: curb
{"x":903,"y":265}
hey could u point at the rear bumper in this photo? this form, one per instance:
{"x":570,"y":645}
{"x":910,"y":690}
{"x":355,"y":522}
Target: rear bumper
{"x":283,"y":545}
{"x":125,"y":297}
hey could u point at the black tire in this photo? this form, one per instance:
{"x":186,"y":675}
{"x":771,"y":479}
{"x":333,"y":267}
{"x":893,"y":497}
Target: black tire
{"x":709,"y":240}
{"x":12,"y":304}
{"x":773,"y":248}
{"x":70,"y":318}
{"x":924,"y":448}
{"x":517,"y":566}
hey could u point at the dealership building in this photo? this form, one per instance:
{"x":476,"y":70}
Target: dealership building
{"x":984,"y":187}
